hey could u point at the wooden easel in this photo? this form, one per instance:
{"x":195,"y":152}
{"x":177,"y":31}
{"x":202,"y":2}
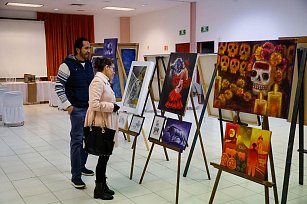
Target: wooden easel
{"x":175,"y":148}
{"x":297,"y":114}
{"x":126,"y":131}
{"x":265,"y":183}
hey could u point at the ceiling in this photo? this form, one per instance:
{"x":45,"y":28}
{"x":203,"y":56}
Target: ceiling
{"x":92,"y":7}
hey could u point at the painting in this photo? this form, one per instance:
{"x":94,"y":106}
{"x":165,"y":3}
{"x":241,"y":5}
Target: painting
{"x":136,"y":124}
{"x":177,"y":83}
{"x":128,"y":55}
{"x":157,"y":127}
{"x":176,"y":133}
{"x":122,"y":119}
{"x":255,"y":77}
{"x":136,"y":90}
{"x":246,"y":150}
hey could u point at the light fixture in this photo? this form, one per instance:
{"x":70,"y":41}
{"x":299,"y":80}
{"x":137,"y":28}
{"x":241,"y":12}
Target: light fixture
{"x":24,"y":5}
{"x":118,"y":8}
{"x":56,"y":9}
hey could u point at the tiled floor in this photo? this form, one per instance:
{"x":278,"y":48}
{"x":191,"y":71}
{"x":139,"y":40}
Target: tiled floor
{"x":35,"y":166}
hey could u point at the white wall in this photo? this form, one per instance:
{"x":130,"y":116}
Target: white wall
{"x":237,"y":20}
{"x":155,"y":30}
{"x":106,"y":27}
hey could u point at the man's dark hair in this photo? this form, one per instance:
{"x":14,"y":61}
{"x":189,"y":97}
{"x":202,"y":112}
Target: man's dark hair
{"x":79,"y":44}
{"x":101,"y":62}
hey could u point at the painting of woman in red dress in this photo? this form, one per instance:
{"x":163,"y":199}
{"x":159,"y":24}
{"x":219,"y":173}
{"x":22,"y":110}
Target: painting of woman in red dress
{"x":177,"y":83}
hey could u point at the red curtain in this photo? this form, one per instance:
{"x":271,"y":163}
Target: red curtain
{"x":61,"y":31}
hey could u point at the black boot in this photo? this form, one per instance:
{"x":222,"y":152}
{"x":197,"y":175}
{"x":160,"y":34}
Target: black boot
{"x":108,"y":190}
{"x":99,"y":192}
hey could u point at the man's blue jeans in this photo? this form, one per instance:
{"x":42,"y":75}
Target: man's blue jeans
{"x":78,"y":156}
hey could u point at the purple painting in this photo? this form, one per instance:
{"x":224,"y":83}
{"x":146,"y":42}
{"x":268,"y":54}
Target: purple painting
{"x":176,"y":133}
{"x":109,"y":51}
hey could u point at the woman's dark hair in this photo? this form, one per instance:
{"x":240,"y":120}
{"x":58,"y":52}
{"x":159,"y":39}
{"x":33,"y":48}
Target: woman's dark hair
{"x":101,"y":62}
{"x":79,"y":44}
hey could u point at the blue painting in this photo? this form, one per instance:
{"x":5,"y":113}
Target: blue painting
{"x":128,"y":55}
{"x":176,"y":133}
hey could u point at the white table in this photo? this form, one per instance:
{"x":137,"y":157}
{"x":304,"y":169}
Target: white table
{"x":43,"y":89}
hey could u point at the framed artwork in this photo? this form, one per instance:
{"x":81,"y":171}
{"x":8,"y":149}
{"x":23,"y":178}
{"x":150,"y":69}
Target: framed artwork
{"x":255,"y":77}
{"x":176,"y":133}
{"x":122,"y":119}
{"x":157,"y":127}
{"x":136,"y":89}
{"x":177,"y":83}
{"x":246,"y":150}
{"x":136,"y":124}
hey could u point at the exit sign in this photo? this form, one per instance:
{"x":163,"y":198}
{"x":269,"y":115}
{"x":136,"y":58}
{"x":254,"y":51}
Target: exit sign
{"x":204,"y":29}
{"x":182,"y":32}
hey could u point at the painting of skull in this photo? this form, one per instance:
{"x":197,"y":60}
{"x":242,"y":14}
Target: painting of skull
{"x":255,"y":77}
{"x":176,"y":133}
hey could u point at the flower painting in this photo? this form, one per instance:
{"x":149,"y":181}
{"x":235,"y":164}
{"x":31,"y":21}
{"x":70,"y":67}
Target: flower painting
{"x":255,"y":77}
{"x":177,"y":83}
{"x":176,"y":133}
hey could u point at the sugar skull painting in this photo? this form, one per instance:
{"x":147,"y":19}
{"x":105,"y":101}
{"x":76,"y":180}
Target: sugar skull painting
{"x":177,"y":83}
{"x":255,"y":77}
{"x":176,"y":133}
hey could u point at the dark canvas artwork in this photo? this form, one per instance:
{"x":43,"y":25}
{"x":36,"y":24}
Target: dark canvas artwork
{"x":255,"y":77}
{"x":176,"y":133}
{"x":110,"y":51}
{"x":177,"y":82}
{"x":128,"y":55}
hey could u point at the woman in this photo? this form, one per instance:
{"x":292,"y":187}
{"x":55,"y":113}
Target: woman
{"x":102,"y":110}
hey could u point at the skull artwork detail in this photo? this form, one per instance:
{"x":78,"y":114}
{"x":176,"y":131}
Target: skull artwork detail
{"x":261,"y":77}
{"x":224,"y":63}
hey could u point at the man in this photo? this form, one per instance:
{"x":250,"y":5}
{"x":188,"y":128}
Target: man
{"x":74,"y":77}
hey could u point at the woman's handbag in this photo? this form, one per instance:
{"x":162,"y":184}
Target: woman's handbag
{"x":98,"y":140}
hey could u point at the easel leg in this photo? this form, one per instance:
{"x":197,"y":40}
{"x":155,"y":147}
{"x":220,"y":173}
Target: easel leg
{"x":145,"y":139}
{"x":166,"y":155}
{"x":216,"y":183}
{"x":133,"y":156}
{"x":178,"y":178}
{"x":265,"y":126}
{"x":266,"y":191}
{"x":146,"y":164}
{"x":200,"y":137}
{"x":301,"y":138}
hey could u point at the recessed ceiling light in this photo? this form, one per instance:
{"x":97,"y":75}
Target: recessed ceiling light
{"x":24,"y":5}
{"x":56,"y":9}
{"x":118,"y":8}
{"x":144,"y":4}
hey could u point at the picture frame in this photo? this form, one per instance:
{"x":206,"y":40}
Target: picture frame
{"x":136,"y":90}
{"x":176,"y":133}
{"x":178,"y":83}
{"x":122,"y":119}
{"x":157,"y":127}
{"x":136,"y":124}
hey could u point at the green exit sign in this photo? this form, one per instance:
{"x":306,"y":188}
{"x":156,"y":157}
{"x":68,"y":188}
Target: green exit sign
{"x":182,"y":32}
{"x":204,"y":29}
